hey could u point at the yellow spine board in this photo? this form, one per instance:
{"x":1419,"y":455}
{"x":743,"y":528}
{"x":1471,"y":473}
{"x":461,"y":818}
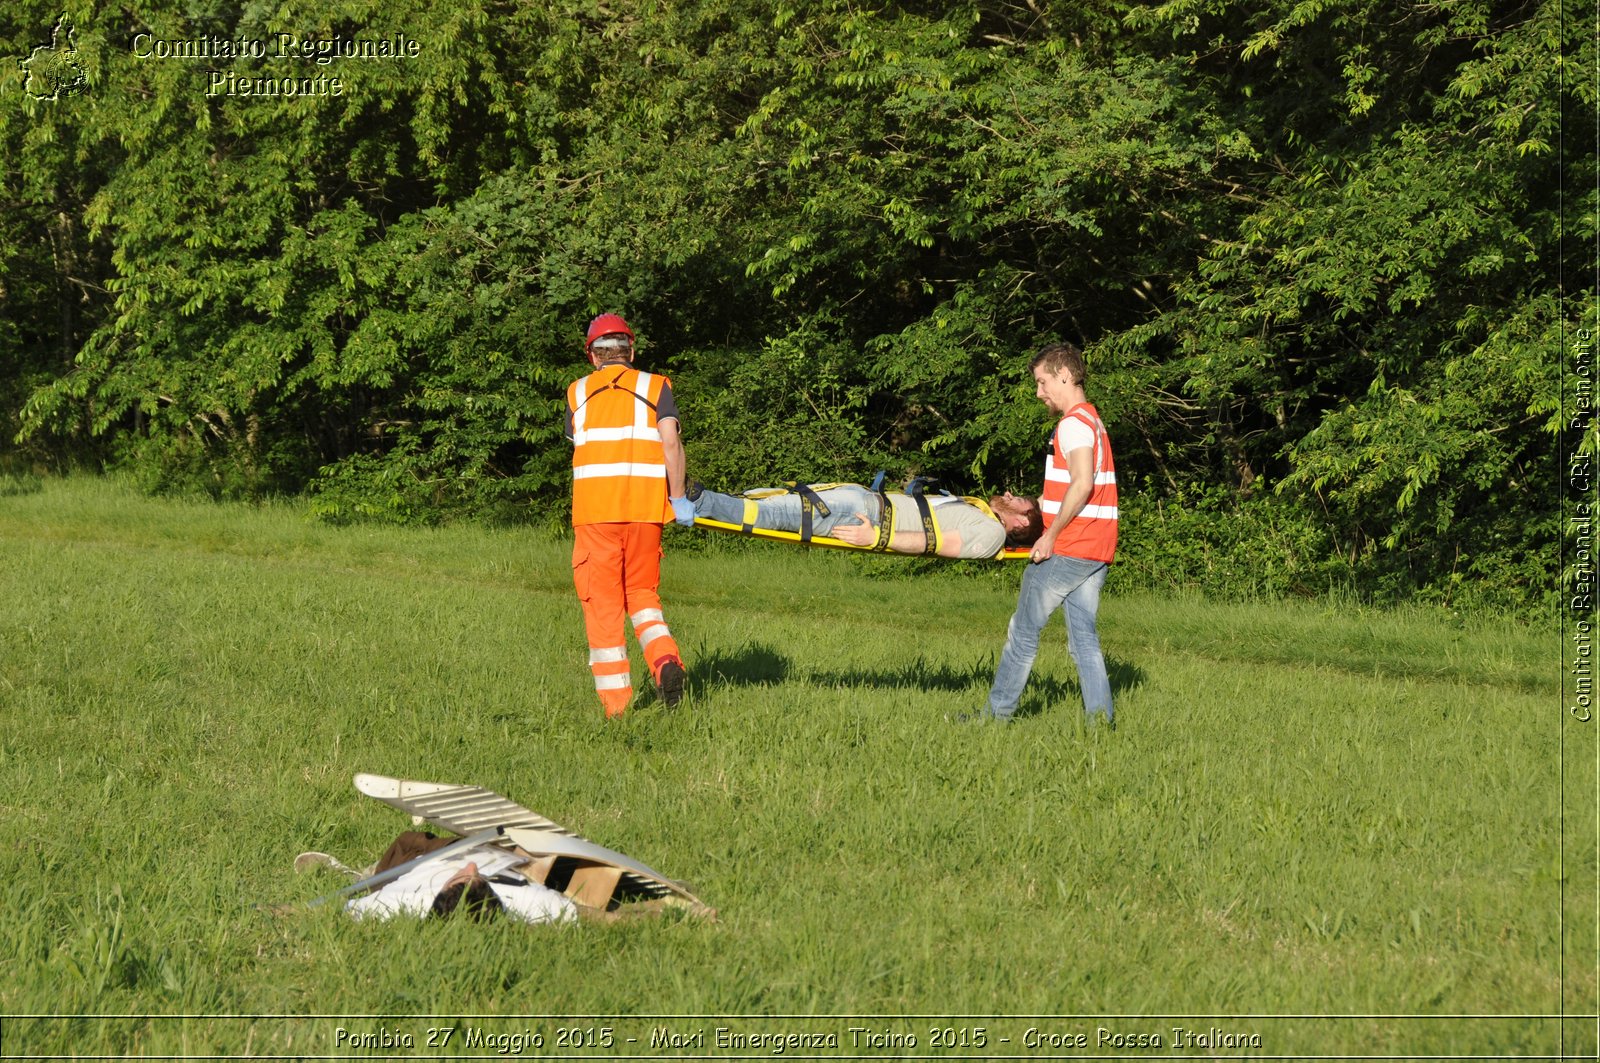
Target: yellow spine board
{"x":1008,"y":554}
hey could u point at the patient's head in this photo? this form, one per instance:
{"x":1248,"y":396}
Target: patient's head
{"x":469,"y":892}
{"x":1020,"y":517}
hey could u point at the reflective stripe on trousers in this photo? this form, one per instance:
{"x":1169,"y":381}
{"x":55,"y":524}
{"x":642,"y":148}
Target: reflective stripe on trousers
{"x":648,"y":626}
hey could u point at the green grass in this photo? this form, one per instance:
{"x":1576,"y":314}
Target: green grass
{"x":1308,"y":809}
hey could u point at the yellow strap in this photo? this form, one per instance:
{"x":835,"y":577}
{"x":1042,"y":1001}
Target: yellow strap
{"x":885,"y":523}
{"x":980,"y":505}
{"x":930,"y":524}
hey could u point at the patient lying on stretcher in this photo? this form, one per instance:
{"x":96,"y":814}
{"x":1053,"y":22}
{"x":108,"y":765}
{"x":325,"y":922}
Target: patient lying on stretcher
{"x":961,"y":527}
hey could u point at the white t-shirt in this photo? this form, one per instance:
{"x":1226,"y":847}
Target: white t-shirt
{"x":1074,"y":435}
{"x":412,"y":893}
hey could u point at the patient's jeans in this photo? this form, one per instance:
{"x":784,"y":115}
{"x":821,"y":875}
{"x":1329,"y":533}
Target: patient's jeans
{"x":1072,"y":584}
{"x":782,"y":512}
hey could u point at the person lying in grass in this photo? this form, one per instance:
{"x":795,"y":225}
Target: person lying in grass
{"x":481,"y":882}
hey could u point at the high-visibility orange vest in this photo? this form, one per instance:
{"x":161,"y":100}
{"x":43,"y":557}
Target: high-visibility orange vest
{"x":1092,"y":534}
{"x":619,"y":472}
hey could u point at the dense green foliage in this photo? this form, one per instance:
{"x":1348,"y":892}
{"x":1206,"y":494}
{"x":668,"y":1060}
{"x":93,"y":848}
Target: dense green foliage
{"x":1307,"y":810}
{"x":1315,"y":251}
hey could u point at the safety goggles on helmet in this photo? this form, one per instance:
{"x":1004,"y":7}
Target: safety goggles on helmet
{"x":605,"y":325}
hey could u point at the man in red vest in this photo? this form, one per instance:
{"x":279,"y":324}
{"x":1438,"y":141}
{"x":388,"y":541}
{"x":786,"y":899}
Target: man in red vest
{"x":627,"y":481}
{"x":1068,"y":564}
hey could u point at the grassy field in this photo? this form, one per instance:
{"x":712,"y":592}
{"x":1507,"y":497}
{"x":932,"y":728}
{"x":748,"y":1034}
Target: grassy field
{"x":1334,"y":830}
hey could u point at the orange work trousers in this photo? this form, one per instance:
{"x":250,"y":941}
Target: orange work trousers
{"x":616,"y":569}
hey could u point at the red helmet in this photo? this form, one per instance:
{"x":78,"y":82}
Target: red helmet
{"x":606,"y":325}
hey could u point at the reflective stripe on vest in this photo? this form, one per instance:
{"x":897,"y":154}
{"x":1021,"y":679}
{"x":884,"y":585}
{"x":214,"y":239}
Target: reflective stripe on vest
{"x":619,"y":468}
{"x":1092,"y":534}
{"x":643,"y":424}
{"x":619,"y":471}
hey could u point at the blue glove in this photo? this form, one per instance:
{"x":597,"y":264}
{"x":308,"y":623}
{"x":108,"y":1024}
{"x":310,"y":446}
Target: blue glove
{"x":682,"y":511}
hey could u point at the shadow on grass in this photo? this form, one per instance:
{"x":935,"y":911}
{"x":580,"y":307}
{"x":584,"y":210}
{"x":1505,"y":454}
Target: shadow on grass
{"x":757,"y":665}
{"x":1043,"y":692}
{"x":980,"y":676}
{"x":917,"y":673}
{"x":1123,"y":676}
{"x":749,"y":665}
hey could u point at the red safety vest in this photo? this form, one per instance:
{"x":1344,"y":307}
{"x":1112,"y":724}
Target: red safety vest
{"x":1092,"y":534}
{"x":619,"y":473}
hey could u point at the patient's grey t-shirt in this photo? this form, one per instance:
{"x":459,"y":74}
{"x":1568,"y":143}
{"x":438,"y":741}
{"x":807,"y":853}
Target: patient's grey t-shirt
{"x":981,"y":534}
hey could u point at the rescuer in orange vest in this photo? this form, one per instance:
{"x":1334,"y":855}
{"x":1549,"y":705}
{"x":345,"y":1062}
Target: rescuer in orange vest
{"x":1068,"y":565}
{"x":627,"y":481}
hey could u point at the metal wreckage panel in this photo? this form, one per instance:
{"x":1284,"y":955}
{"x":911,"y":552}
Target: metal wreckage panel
{"x":467,"y":809}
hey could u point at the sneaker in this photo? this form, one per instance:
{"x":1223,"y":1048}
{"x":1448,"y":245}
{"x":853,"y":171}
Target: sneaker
{"x":693,"y":489}
{"x":671,"y":683}
{"x":306,"y":861}
{"x":981,"y":716}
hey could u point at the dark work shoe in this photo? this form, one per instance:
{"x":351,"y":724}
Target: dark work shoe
{"x":671,"y":683}
{"x":693,"y":489}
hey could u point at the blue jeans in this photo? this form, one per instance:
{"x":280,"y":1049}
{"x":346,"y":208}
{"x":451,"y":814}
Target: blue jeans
{"x":782,"y":512}
{"x":1073,"y":585}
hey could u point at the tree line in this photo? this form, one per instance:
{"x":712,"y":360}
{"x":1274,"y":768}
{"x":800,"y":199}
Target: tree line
{"x":1321,"y":254}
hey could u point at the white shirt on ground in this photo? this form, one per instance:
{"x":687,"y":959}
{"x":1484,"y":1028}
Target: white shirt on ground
{"x":412,"y":893}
